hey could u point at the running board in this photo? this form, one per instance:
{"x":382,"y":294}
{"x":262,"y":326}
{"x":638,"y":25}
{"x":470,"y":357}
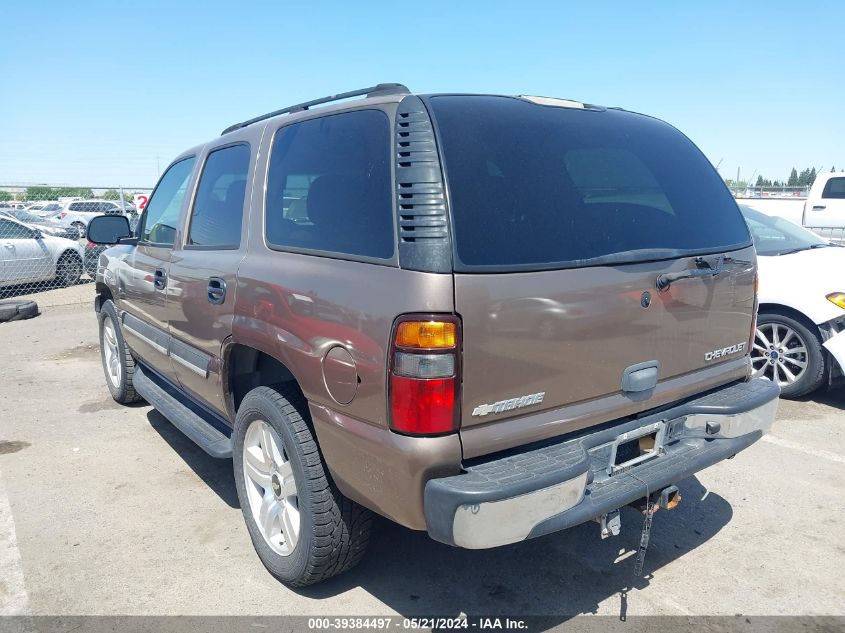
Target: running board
{"x":182,"y":415}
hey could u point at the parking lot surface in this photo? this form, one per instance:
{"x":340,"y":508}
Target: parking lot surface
{"x":111,"y":510}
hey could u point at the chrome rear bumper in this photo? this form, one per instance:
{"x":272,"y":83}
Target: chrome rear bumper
{"x":547,"y":488}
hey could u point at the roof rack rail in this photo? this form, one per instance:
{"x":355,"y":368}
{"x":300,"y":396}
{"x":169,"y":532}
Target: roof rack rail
{"x":379,"y":90}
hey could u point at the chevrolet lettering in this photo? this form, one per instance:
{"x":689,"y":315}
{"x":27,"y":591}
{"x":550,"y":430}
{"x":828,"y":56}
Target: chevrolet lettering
{"x":725,"y":351}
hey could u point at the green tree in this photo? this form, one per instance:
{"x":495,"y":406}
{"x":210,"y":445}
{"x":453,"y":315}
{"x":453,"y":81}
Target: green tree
{"x":793,"y":178}
{"x":39,"y":193}
{"x":111,"y":194}
{"x":5,"y":196}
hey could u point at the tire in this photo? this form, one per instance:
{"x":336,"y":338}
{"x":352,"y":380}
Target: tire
{"x":333,"y":531}
{"x":787,"y":350}
{"x":17,"y":309}
{"x":118,"y":364}
{"x":69,"y":269}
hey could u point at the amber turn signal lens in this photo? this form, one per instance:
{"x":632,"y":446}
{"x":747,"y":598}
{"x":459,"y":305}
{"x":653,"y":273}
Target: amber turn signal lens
{"x":837,"y":298}
{"x":425,"y":334}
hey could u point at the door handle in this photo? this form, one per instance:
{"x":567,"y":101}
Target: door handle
{"x":160,"y":279}
{"x":817,"y":207}
{"x":216,"y":290}
{"x":10,"y":246}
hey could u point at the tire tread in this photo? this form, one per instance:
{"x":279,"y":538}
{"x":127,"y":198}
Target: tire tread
{"x":341,"y":527}
{"x":127,"y":395}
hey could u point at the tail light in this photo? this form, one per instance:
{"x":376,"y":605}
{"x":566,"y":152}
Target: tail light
{"x":425,"y":374}
{"x":62,"y":215}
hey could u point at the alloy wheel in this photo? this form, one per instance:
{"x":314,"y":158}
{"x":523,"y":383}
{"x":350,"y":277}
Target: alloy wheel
{"x":111,"y":355}
{"x":779,"y":353}
{"x":271,"y":488}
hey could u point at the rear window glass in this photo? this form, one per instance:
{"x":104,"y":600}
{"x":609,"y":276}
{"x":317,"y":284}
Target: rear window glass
{"x":535,"y":186}
{"x":835,"y":188}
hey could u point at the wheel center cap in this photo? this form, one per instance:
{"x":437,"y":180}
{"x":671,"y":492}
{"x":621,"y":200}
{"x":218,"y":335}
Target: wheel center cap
{"x":774,"y":355}
{"x":276,"y":484}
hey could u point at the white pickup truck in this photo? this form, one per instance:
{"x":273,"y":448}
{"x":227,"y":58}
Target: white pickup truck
{"x":824,"y":209}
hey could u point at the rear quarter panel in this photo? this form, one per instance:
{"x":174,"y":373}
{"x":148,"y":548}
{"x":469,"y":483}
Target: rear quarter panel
{"x":297,"y":307}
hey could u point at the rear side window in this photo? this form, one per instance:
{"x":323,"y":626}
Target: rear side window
{"x":75,"y":206}
{"x":534,"y":186}
{"x":219,"y":204}
{"x":834,"y":188}
{"x":329,"y":186}
{"x":162,"y":213}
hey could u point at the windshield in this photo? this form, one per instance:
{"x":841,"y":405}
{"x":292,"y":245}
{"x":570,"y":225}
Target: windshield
{"x":534,"y":186}
{"x":776,"y":236}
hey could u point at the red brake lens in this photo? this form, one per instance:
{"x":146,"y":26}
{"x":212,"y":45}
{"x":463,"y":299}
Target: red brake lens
{"x":425,"y":375}
{"x":422,"y":407}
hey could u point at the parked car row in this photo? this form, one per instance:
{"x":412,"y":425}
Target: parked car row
{"x":70,"y":214}
{"x":28,"y":255}
{"x":78,"y":213}
{"x":25,"y":244}
{"x":50,"y":225}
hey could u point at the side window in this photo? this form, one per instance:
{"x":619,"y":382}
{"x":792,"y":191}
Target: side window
{"x":219,"y":204}
{"x":13,"y":231}
{"x":329,"y":185}
{"x":162,"y":213}
{"x":835,"y":188}
{"x":75,"y":206}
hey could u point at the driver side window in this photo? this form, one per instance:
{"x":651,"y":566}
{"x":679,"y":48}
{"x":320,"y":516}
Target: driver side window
{"x":161,"y":216}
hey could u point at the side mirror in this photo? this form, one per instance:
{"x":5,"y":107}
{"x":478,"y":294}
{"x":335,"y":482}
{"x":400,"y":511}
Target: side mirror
{"x":36,"y":234}
{"x":108,"y":229}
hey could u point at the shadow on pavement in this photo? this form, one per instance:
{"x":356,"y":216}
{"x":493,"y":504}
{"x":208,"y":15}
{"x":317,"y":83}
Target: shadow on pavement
{"x":562,"y":574}
{"x":216,"y":473}
{"x":833,"y":398}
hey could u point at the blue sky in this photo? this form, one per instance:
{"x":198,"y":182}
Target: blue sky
{"x":101,"y":93}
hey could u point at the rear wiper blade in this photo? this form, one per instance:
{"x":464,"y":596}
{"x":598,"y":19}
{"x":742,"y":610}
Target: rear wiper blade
{"x":705,"y":267}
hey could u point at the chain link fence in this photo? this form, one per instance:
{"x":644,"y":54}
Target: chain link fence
{"x":44,"y":254}
{"x":744,"y":191}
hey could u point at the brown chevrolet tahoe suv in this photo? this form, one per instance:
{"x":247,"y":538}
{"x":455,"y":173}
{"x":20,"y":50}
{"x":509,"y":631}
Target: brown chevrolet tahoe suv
{"x":487,"y":317}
